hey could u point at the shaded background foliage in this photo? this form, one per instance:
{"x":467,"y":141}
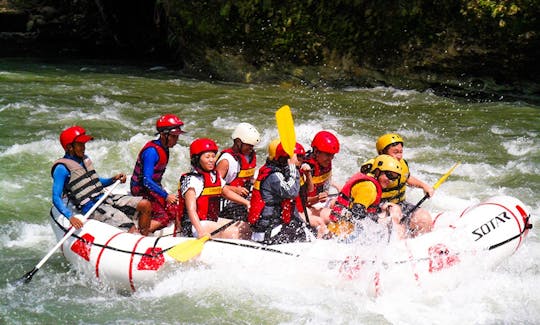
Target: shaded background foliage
{"x":492,"y":42}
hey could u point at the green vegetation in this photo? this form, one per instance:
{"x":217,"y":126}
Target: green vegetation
{"x":495,"y":41}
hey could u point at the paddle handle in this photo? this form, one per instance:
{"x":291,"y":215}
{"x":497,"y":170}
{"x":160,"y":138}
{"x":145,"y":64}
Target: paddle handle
{"x":436,"y":186}
{"x":417,"y":205}
{"x":71,"y":231}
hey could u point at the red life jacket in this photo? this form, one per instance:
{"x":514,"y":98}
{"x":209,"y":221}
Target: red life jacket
{"x":247,"y":168}
{"x":303,"y":193}
{"x":319,"y":175}
{"x":257,"y":203}
{"x":209,"y":200}
{"x":136,"y":179}
{"x":344,"y":199}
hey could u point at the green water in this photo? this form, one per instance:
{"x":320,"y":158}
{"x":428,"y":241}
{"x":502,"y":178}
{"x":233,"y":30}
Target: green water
{"x":497,"y":143}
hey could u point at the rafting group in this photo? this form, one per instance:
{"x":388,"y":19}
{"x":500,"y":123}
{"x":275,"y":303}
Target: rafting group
{"x":224,"y":195}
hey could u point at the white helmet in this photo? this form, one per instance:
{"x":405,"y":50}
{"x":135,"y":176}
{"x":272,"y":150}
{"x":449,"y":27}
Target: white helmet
{"x":247,"y":133}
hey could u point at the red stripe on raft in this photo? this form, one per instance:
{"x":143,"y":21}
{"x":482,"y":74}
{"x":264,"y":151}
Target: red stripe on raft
{"x":130,"y":270}
{"x":103,"y":250}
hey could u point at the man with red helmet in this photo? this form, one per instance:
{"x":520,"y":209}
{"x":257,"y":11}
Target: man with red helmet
{"x":237,"y":166}
{"x":200,"y":192}
{"x":273,"y":215}
{"x":74,"y":177}
{"x":149,"y":169}
{"x":325,"y":146}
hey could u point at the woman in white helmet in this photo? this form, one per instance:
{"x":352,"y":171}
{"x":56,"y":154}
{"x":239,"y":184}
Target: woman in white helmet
{"x":237,"y":166}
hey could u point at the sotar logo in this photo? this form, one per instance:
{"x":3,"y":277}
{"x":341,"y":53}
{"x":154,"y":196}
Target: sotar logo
{"x":490,"y":225}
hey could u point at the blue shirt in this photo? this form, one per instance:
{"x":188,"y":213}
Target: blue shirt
{"x":60,"y":179}
{"x":149,"y":159}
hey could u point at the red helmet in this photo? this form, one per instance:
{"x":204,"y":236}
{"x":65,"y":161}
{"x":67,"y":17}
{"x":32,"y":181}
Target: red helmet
{"x":326,"y":142}
{"x":169,"y":123}
{"x":299,"y":149}
{"x":202,"y":145}
{"x":74,"y":134}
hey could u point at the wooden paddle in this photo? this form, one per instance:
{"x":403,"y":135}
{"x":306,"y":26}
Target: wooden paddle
{"x":436,"y":186}
{"x":28,"y":276}
{"x":190,"y":248}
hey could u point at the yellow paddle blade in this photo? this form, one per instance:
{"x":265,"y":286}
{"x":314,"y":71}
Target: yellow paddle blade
{"x":187,"y":250}
{"x":445,"y":176}
{"x":285,"y":125}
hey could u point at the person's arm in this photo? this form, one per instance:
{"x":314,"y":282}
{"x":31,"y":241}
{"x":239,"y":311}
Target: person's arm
{"x":288,"y":188}
{"x":60,"y":177}
{"x":415,"y":182}
{"x":222,"y":166}
{"x":150,"y":158}
{"x":230,"y":194}
{"x":190,"y":198}
{"x":306,"y":171}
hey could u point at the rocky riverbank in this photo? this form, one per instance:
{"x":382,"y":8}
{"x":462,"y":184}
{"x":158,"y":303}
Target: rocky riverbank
{"x":141,"y":31}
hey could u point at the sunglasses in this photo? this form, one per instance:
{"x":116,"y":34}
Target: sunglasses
{"x":391,"y":175}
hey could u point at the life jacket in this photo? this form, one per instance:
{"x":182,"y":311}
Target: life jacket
{"x":396,"y":193}
{"x":83,"y":185}
{"x":301,"y":199}
{"x":208,"y":201}
{"x":344,"y":200}
{"x":247,"y":168}
{"x":319,"y":175}
{"x":137,"y":188}
{"x":257,"y":203}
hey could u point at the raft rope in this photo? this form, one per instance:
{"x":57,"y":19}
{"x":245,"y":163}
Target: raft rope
{"x":268,"y":249}
{"x":114,"y":248}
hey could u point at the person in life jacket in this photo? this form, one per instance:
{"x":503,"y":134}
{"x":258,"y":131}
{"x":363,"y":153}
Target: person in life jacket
{"x":273,"y":216}
{"x":360,"y":199}
{"x":420,"y":220}
{"x":318,"y":226}
{"x":325,"y":146}
{"x":237,"y":166}
{"x":149,"y":169}
{"x":200,"y":192}
{"x":75,"y":178}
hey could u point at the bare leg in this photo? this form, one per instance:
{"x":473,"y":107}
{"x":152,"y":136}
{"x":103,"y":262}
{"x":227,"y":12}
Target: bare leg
{"x":421,"y":222}
{"x":144,"y":208}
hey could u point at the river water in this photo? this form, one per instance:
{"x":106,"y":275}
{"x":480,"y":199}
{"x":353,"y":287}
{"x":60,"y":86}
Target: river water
{"x":498,"y":144}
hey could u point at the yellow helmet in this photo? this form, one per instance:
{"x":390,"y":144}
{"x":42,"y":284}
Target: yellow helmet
{"x":386,"y":140}
{"x":275,"y":150}
{"x":366,"y":166}
{"x":387,"y":163}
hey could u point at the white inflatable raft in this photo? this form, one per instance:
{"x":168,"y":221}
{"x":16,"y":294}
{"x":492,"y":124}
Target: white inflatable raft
{"x":489,"y":232}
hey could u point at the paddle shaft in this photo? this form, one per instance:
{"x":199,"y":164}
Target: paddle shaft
{"x":436,"y":186}
{"x":220,"y":229}
{"x":28,"y":276}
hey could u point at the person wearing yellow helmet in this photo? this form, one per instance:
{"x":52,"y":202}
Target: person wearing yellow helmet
{"x":361,"y":198}
{"x":420,"y":221}
{"x":273,"y":215}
